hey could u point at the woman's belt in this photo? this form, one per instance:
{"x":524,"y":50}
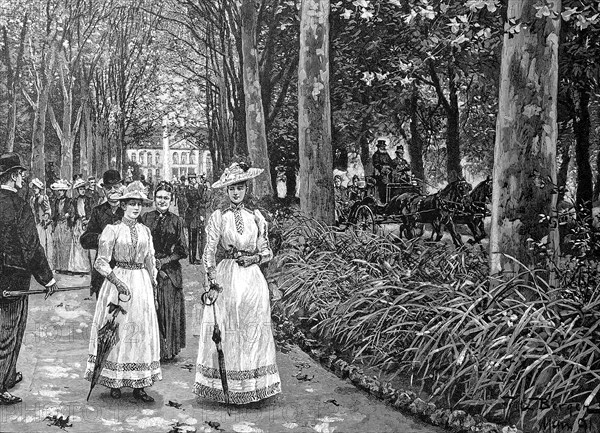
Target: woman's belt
{"x":129,"y":265}
{"x":236,"y":254}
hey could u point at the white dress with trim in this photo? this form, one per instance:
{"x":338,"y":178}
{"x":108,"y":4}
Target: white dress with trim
{"x":243,"y":313}
{"x":135,"y":360}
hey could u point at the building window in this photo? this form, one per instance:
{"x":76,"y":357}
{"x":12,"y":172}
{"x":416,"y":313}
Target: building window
{"x":133,"y":157}
{"x":157,"y":174}
{"x":175,"y":158}
{"x":183,"y":158}
{"x":192,"y":158}
{"x":157,"y":158}
{"x":175,"y":173}
{"x":149,"y":158}
{"x":141,"y":157}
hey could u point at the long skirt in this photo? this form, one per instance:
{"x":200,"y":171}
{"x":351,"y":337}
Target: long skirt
{"x":47,"y":241}
{"x":243,"y":314}
{"x":62,"y":245}
{"x":13,"y":321}
{"x":171,"y":318}
{"x":79,"y":258}
{"x":134,"y":361}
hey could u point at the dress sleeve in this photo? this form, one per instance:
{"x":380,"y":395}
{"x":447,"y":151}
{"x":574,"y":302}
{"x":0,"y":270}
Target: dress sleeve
{"x":262,"y":243}
{"x":180,"y":249}
{"x":106,"y":245}
{"x":150,"y":260}
{"x":213,"y":234}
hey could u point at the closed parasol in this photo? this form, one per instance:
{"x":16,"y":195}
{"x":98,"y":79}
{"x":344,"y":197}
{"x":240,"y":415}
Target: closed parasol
{"x":216,"y":337}
{"x":108,"y":336}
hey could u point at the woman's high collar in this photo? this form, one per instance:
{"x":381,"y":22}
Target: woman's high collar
{"x":128,"y":221}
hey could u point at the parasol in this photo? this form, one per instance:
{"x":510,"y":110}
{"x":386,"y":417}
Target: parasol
{"x":216,"y":337}
{"x":108,"y":336}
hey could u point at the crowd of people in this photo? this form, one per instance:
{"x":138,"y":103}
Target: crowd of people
{"x":134,"y":258}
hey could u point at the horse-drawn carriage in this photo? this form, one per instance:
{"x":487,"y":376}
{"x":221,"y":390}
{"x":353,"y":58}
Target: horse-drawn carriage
{"x":411,"y":210}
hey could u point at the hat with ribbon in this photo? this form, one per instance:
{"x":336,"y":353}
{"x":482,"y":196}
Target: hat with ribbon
{"x":37,"y":183}
{"x":60,"y":185}
{"x":9,"y":162}
{"x":135,"y":191}
{"x":79,"y":183}
{"x":237,"y":173}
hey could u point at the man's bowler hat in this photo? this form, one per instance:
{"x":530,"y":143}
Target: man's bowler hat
{"x":110,"y":178}
{"x":9,"y":162}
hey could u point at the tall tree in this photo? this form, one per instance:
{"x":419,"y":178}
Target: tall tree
{"x":314,"y":112}
{"x":256,"y":135}
{"x":526,"y":132}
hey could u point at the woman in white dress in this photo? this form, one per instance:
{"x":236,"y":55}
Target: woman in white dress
{"x":81,"y":209}
{"x":243,"y":311}
{"x":134,"y":361}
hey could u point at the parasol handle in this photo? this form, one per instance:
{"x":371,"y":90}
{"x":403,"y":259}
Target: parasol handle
{"x":18,"y":293}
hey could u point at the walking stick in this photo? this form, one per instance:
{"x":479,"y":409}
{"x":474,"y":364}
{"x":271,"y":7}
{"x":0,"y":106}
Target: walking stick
{"x":17,"y":293}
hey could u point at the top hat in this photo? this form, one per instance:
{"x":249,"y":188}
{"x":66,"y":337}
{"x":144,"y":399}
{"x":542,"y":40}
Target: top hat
{"x":111,"y":177}
{"x":381,"y":143}
{"x":400,"y":148}
{"x":237,"y":173}
{"x":9,"y":162}
{"x":192,"y":175}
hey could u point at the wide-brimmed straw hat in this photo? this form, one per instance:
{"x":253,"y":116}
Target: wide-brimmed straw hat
{"x":37,"y":183}
{"x":79,"y":183}
{"x":237,"y":173}
{"x":60,"y":185}
{"x":135,"y":190}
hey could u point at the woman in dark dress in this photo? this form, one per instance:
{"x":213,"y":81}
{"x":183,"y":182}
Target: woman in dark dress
{"x":170,"y":247}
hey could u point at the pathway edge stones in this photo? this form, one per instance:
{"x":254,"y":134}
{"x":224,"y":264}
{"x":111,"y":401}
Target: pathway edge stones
{"x":403,"y":400}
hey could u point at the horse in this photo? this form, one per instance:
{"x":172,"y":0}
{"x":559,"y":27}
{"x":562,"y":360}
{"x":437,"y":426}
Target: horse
{"x":436,"y":209}
{"x":474,"y":215}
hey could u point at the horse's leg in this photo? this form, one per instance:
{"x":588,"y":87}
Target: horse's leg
{"x":456,"y":238}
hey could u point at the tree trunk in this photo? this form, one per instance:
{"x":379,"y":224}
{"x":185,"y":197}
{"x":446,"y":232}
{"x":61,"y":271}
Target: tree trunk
{"x":581,"y":128}
{"x":453,"y":167}
{"x":314,"y":128}
{"x":256,"y":137}
{"x":38,"y":149}
{"x":525,"y":149}
{"x":415,"y":148}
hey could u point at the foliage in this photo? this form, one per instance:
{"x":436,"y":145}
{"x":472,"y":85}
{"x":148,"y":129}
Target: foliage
{"x":432,"y":312}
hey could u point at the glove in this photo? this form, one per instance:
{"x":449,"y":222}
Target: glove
{"x":50,"y":290}
{"x":120,"y":285}
{"x":246,"y":261}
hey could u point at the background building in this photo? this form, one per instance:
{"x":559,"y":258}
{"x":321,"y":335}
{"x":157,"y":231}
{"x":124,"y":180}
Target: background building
{"x":170,"y":158}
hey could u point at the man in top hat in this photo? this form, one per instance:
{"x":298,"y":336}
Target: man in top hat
{"x":102,"y":215}
{"x":382,"y":163}
{"x":401,"y":172}
{"x":194,"y":216}
{"x":22,"y":256}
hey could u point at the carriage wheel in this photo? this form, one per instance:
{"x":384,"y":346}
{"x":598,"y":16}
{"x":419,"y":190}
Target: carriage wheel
{"x":365,"y":220}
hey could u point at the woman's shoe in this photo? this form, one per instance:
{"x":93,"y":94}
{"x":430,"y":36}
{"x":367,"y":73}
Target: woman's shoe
{"x":18,"y":378}
{"x":115,"y":393}
{"x":6,"y":398}
{"x":140,"y":394}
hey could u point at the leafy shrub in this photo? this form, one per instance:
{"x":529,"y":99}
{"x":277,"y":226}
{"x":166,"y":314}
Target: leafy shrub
{"x":432,"y":312}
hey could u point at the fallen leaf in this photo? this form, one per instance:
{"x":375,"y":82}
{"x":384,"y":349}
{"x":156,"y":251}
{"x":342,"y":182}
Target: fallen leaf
{"x":173,"y":404}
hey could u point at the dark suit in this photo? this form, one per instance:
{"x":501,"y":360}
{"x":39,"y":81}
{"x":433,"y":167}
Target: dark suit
{"x":102,"y":215}
{"x":21,"y":256}
{"x":194,"y":218}
{"x":381,"y":160}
